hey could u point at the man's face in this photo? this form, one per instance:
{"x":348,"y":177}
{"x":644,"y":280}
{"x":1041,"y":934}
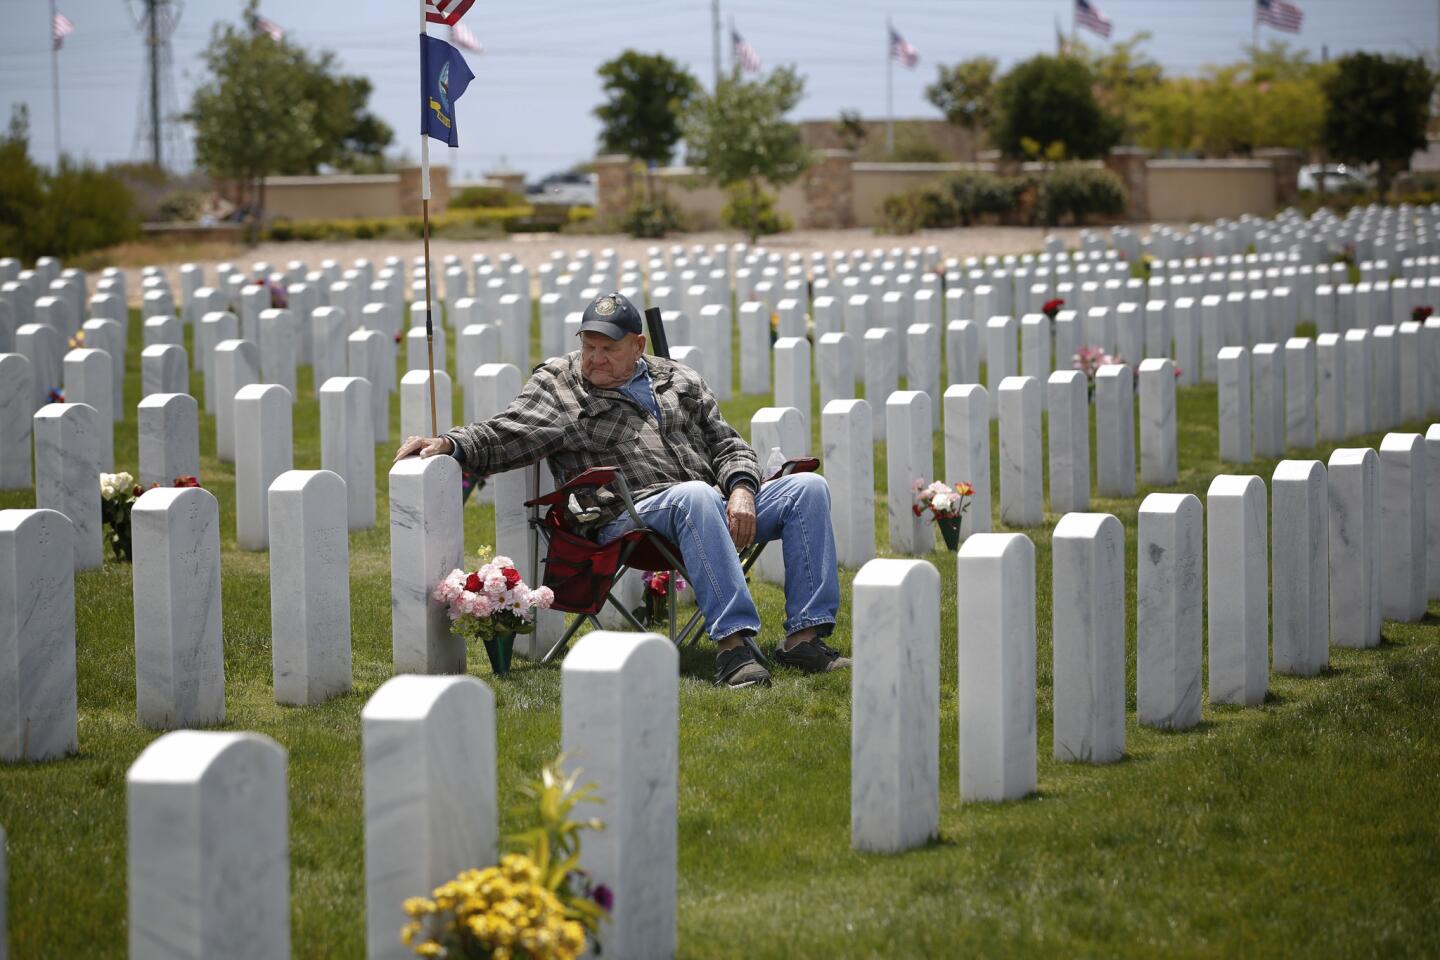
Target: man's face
{"x":609,"y":363}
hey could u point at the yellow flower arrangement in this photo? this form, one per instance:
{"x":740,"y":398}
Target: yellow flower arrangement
{"x":535,"y":904}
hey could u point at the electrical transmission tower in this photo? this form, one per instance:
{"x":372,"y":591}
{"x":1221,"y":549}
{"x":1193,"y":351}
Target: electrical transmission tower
{"x":159,"y":135}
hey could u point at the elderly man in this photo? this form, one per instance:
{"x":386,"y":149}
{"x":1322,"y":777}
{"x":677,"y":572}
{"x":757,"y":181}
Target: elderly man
{"x":694,"y":480}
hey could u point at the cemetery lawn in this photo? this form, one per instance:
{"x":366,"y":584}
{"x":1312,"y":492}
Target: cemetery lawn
{"x":1305,"y":826}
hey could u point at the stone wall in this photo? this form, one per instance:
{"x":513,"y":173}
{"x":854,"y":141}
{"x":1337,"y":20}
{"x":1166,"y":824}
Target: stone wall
{"x":345,"y":196}
{"x":839,"y":191}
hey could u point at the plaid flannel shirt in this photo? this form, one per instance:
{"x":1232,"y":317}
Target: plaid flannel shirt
{"x":575,"y":425}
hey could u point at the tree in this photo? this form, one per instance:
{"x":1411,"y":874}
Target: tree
{"x":1122,"y":76}
{"x":1378,"y":109}
{"x":1233,"y":110}
{"x":965,"y":92}
{"x":850,"y":128}
{"x":21,"y":186}
{"x":268,"y":108}
{"x":646,"y":95}
{"x":68,"y":211}
{"x":1050,"y":100}
{"x":740,"y":136}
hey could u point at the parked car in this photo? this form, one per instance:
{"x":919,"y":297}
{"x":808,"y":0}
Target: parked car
{"x":1337,"y":178}
{"x":573,"y":189}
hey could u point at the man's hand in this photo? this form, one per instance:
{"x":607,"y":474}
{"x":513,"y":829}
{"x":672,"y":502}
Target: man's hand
{"x":740,"y":509}
{"x":425,"y":446}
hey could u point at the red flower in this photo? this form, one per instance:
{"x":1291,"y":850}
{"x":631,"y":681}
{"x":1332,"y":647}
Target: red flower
{"x":512,"y":577}
{"x":187,"y":481}
{"x":1052,"y":307}
{"x":473,"y":583}
{"x":917,"y":509}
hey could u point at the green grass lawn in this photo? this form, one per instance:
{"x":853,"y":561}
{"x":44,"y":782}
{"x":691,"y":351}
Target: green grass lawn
{"x":1305,"y":826}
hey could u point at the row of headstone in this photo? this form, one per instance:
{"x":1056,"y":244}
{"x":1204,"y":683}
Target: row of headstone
{"x":208,"y":812}
{"x":1352,"y":544}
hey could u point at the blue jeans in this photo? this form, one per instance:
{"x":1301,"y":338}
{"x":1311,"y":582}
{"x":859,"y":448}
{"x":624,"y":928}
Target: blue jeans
{"x":794,"y":510}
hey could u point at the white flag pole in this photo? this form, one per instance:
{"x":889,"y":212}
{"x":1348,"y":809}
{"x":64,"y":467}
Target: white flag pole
{"x":425,"y":213}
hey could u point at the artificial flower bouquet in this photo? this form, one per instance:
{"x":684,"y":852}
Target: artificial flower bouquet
{"x":536,"y":903}
{"x":118,"y":493}
{"x":492,"y":604}
{"x":946,"y":506}
{"x":656,"y":609}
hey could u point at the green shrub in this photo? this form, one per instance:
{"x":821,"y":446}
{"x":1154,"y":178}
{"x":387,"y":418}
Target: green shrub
{"x":70,"y":211}
{"x":182,"y":206}
{"x":976,"y":193}
{"x":1079,"y":193}
{"x":653,"y":218}
{"x":955,"y":201}
{"x":752,"y":209}
{"x":472,"y":197}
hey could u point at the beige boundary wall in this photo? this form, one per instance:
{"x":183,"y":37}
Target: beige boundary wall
{"x":345,"y":196}
{"x":838,"y":191}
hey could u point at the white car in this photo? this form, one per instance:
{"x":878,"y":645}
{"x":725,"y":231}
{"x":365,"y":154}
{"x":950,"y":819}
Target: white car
{"x":1337,"y":178}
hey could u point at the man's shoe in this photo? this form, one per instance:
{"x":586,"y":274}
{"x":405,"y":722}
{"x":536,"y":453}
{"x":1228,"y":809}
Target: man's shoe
{"x":737,"y":667}
{"x":813,"y":656}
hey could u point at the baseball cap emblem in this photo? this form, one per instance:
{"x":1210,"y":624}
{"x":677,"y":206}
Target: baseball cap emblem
{"x":605,"y":306}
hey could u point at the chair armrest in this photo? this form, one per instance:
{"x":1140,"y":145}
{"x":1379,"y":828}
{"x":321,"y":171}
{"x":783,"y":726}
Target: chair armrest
{"x":799,"y":465}
{"x":593,"y":477}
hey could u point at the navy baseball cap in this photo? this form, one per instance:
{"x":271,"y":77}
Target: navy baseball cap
{"x":613,"y":315}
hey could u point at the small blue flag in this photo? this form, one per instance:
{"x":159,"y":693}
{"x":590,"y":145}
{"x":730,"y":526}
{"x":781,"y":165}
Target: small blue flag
{"x":444,"y":75}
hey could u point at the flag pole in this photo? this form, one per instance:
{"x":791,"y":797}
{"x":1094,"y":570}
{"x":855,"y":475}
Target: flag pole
{"x":1254,"y":33}
{"x":425,"y":213}
{"x":55,"y":81}
{"x":889,"y":93}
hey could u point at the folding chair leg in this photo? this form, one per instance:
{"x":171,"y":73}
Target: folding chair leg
{"x":670,"y":605}
{"x":567,"y":636}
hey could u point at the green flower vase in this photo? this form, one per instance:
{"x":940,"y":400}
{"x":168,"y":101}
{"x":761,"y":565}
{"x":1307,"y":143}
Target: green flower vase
{"x":499,"y":649}
{"x":950,"y":529}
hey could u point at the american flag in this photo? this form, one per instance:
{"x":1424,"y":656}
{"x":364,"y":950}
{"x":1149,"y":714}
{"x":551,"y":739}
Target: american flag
{"x":744,"y":54}
{"x":269,"y":27}
{"x":60,"y":28}
{"x":447,"y":12}
{"x":1280,"y":14}
{"x":461,"y":36}
{"x":902,"y":50}
{"x":1088,"y":15}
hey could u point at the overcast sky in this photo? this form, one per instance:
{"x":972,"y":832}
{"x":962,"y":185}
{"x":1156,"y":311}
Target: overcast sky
{"x":535,"y":86}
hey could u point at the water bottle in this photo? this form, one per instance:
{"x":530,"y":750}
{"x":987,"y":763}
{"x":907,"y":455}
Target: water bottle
{"x":775,"y":464}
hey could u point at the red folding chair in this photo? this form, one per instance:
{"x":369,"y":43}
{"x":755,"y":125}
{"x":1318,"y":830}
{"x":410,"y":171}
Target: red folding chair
{"x":583,"y":573}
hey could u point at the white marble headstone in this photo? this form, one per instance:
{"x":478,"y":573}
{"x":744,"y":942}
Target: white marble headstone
{"x":430,"y":807}
{"x":179,"y":658}
{"x":995,"y":587}
{"x":209,"y":849}
{"x":426,"y":543}
{"x":37,"y":637}
{"x":619,"y":723}
{"x":1168,"y":609}
{"x":1300,"y":567}
{"x":1239,"y":589}
{"x":1088,"y":560}
{"x":895,"y":706}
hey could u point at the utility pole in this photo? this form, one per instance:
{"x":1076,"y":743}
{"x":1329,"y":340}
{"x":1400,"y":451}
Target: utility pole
{"x":715,"y":40}
{"x":152,"y":37}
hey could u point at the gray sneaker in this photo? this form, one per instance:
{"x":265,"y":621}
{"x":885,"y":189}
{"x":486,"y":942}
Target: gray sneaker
{"x":737,"y":667}
{"x":813,"y":656}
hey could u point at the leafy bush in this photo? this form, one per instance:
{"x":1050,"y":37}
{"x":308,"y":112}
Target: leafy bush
{"x":653,"y":218}
{"x":975,"y":193}
{"x":74,"y":209}
{"x":460,"y":224}
{"x":473,"y":197}
{"x":932,"y":207}
{"x":957,"y":200}
{"x":180,"y":206}
{"x":752,"y":209}
{"x":1079,"y":193}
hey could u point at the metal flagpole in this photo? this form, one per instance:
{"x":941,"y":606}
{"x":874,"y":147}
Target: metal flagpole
{"x":425,"y":212}
{"x":889,"y":92}
{"x":55,"y":80}
{"x":1255,"y":32}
